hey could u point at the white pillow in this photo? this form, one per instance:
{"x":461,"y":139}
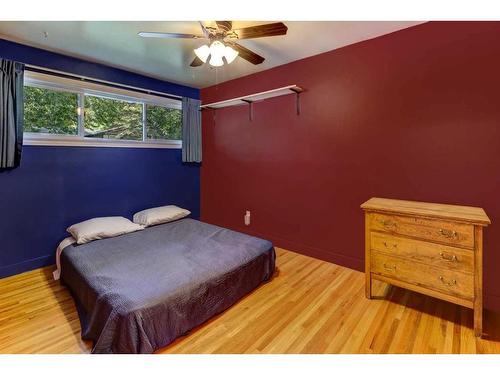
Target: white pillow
{"x":160,"y":215}
{"x":102,"y":227}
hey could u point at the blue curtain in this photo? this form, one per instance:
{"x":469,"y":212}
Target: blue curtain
{"x":191,"y":130}
{"x":11,"y":113}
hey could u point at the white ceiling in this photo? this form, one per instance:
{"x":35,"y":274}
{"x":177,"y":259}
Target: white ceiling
{"x":116,"y":43}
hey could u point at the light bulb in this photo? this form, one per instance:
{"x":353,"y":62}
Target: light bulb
{"x":217,"y":51}
{"x":230,"y":54}
{"x":202,"y":52}
{"x":216,"y":60}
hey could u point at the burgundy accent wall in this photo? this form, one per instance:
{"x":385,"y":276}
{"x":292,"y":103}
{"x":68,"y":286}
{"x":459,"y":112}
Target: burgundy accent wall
{"x":410,"y":115}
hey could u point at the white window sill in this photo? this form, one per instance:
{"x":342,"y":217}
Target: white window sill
{"x":74,"y":141}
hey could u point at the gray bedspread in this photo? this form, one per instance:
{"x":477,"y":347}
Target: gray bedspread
{"x":138,"y":292}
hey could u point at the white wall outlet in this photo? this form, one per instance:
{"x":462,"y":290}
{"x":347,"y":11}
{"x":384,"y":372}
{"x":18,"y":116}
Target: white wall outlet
{"x":247,"y":218}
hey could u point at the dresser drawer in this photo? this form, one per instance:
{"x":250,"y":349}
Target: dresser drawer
{"x":427,"y":252}
{"x":446,"y":232}
{"x":450,"y":282}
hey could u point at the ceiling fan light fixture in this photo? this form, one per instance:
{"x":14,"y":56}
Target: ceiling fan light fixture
{"x":216,"y":60}
{"x":217,"y":50}
{"x":202,"y":52}
{"x":230,"y":54}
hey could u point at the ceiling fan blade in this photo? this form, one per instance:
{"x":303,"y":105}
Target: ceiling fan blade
{"x":246,"y":54}
{"x":270,"y":29}
{"x":224,"y":25}
{"x":146,"y":34}
{"x":196,"y":62}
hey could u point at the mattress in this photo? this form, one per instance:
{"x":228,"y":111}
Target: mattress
{"x":140,"y":291}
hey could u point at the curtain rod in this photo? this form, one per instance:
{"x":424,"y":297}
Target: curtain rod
{"x":38,"y":69}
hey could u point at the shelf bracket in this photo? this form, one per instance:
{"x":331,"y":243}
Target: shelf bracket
{"x":250,"y":109}
{"x":297,"y":100}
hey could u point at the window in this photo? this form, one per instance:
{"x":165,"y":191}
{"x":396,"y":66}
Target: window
{"x":163,"y":123}
{"x":66,"y":111}
{"x":111,"y":118}
{"x":50,"y":112}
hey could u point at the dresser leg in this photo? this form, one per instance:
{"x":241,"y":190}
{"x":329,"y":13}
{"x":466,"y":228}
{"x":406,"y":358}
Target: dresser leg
{"x":478,"y":322}
{"x":368,"y":286}
{"x":368,"y":275}
{"x":478,"y":281}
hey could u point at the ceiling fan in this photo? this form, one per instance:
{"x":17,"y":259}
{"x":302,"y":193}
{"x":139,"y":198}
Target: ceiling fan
{"x":222,"y":41}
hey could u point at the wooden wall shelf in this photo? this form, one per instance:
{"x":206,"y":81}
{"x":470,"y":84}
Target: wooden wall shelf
{"x":257,"y":97}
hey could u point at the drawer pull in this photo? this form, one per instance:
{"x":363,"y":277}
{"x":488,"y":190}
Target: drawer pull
{"x":390,"y":268}
{"x":388,"y":223}
{"x":452,"y":258}
{"x":449,"y":283}
{"x":395,"y":245}
{"x":448,"y":233}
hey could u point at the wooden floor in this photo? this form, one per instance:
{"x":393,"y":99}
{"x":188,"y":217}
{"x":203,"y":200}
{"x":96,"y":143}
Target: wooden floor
{"x":311,"y":306}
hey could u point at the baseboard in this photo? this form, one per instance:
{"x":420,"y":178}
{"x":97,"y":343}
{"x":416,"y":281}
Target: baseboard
{"x":491,"y":301}
{"x":28,"y":265}
{"x":329,"y":256}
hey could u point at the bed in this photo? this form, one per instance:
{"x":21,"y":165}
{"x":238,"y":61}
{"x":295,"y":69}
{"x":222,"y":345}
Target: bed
{"x":138,"y":292}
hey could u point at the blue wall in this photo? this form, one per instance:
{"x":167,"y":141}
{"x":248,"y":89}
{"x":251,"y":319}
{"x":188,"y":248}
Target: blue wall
{"x":59,"y":186}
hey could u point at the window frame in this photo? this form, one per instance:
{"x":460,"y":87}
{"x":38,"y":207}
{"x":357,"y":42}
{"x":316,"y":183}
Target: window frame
{"x":82,"y":88}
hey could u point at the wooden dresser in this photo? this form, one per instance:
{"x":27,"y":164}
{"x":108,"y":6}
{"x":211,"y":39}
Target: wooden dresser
{"x":434,"y":249}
